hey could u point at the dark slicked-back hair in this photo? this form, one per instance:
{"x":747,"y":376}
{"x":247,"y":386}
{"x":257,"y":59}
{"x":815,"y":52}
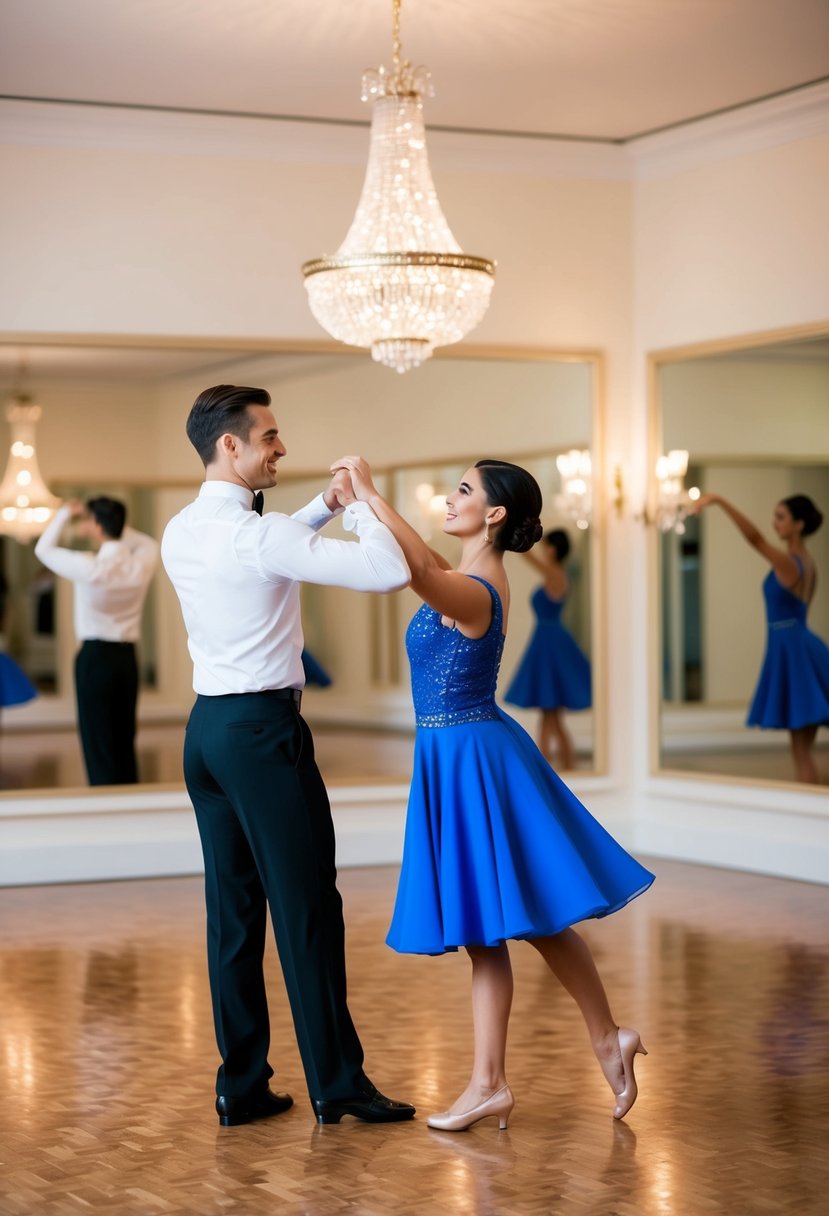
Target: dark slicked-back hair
{"x":804,"y":510}
{"x":513,"y":488}
{"x":109,"y":514}
{"x":222,"y":410}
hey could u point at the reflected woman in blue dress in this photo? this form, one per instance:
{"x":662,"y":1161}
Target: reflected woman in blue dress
{"x":793,"y":688}
{"x":497,"y":848}
{"x":553,"y":673}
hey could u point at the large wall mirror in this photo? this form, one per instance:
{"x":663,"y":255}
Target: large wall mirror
{"x":754,"y":419}
{"x":113,"y":422}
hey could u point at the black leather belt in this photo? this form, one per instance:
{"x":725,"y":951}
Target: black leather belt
{"x":284,"y":694}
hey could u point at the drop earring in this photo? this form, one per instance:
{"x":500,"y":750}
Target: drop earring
{"x":487,"y":537}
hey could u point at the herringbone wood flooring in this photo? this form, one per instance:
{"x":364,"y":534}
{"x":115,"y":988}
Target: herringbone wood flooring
{"x":108,"y":1062}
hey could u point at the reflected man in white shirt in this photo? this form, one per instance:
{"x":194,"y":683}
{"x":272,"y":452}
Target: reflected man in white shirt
{"x":261,"y":806}
{"x":110,"y":588}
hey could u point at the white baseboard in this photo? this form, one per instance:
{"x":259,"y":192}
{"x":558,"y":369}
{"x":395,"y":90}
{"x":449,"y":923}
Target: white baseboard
{"x":150,"y":833}
{"x":88,"y":836}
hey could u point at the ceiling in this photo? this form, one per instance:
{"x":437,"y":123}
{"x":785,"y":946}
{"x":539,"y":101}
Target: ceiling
{"x":608,"y":70}
{"x":599,"y":69}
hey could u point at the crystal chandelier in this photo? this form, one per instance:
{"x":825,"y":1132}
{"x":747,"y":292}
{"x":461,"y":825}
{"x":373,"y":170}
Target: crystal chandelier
{"x":399,"y":283}
{"x":26,"y":503}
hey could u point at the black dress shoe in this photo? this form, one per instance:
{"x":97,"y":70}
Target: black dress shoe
{"x":233,"y":1111}
{"x":371,"y":1107}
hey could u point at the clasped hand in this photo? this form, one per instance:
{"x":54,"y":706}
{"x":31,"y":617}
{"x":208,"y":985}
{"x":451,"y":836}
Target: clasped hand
{"x":351,"y":481}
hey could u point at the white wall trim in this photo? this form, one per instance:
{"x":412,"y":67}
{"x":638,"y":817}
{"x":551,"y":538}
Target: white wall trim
{"x":797,"y":115}
{"x":171,"y":133}
{"x":780,"y":120}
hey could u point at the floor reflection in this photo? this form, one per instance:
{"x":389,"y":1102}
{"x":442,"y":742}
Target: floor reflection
{"x":52,"y":759}
{"x":109,"y":1062}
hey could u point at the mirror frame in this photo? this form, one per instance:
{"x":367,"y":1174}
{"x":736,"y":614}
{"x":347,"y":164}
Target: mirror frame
{"x":656,"y":360}
{"x":261,"y":346}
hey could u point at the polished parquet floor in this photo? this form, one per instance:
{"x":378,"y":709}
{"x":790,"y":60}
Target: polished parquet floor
{"x":108,"y":1064}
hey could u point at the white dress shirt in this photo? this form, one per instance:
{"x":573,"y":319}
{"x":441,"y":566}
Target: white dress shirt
{"x":110,"y":585}
{"x":238,"y":574}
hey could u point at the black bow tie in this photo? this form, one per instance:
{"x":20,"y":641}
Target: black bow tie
{"x":258,"y":502}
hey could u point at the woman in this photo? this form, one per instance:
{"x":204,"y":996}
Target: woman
{"x":553,"y":674}
{"x":496,"y":845}
{"x":793,"y":689}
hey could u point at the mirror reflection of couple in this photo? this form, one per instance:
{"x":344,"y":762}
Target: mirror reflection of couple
{"x":497,"y":848}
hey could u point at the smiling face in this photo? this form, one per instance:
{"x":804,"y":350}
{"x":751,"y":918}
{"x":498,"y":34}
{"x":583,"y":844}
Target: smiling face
{"x":255,"y":458}
{"x":467,"y":508}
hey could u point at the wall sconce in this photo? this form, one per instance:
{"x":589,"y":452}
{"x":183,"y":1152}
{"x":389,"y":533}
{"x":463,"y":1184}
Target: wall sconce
{"x":576,"y":498}
{"x":671,"y":499}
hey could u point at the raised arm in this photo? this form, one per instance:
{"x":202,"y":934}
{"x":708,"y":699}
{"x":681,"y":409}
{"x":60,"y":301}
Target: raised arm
{"x":457,"y":597}
{"x":783,"y":564}
{"x":68,"y":563}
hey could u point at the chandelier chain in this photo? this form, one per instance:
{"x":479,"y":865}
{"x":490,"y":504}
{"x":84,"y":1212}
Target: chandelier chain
{"x":399,"y":283}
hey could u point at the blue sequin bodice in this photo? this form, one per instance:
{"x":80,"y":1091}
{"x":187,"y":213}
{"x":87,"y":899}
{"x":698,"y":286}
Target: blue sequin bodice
{"x":454,"y":677}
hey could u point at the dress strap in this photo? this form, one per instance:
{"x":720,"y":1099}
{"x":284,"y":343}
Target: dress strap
{"x":498,"y":611}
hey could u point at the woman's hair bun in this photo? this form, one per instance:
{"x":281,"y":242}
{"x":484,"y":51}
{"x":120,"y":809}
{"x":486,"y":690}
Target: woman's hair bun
{"x":513,"y":488}
{"x":804,"y":511}
{"x":524,"y":535}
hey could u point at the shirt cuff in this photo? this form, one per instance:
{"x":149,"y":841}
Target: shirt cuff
{"x":316,"y":513}
{"x":354,"y":512}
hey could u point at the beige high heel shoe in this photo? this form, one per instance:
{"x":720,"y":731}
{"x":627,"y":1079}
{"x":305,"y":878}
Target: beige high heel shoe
{"x":499,"y":1104}
{"x":630,"y":1045}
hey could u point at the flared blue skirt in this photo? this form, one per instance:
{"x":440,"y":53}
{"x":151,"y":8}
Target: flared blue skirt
{"x":793,"y":688}
{"x":497,"y":847}
{"x":15,"y":686}
{"x":553,"y":672}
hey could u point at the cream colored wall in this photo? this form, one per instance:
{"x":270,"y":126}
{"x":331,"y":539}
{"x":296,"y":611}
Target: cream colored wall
{"x":93,"y":433}
{"x":450,"y":408}
{"x":113,"y":233}
{"x":747,"y":408}
{"x":734,"y":246}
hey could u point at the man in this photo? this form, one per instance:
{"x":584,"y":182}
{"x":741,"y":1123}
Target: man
{"x":110,"y":588}
{"x":261,"y":807}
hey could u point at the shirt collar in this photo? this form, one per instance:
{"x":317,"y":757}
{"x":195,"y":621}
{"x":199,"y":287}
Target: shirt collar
{"x":227,"y":489}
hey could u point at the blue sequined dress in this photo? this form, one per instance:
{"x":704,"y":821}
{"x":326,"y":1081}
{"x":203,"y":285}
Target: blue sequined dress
{"x":793,"y":688}
{"x":496,"y":845}
{"x":553,"y":672}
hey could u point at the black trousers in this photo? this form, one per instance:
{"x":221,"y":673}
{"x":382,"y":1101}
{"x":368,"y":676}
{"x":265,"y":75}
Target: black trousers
{"x":106,"y":688}
{"x":268,"y":840}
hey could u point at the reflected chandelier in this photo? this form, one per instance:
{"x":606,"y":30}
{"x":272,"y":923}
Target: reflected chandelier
{"x":26,"y":502}
{"x":399,"y":283}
